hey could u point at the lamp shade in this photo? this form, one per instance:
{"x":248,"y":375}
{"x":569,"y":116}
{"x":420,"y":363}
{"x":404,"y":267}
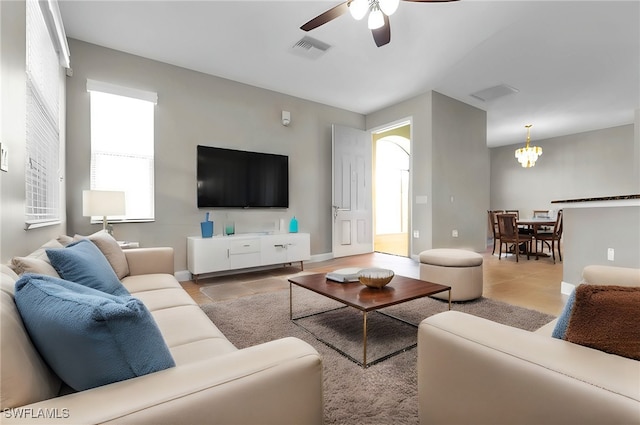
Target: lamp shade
{"x":102,"y":203}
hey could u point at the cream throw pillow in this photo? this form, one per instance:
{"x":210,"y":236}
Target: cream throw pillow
{"x":33,"y":265}
{"x":110,"y":249}
{"x":64,"y":240}
{"x":37,"y":261}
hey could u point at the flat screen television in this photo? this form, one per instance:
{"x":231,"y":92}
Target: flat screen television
{"x":229,"y":178}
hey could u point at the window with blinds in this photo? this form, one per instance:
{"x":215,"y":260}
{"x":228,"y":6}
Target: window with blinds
{"x":122,"y":147}
{"x":42,"y":168}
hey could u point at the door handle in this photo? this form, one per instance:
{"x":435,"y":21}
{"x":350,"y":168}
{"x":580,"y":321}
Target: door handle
{"x":336,"y":209}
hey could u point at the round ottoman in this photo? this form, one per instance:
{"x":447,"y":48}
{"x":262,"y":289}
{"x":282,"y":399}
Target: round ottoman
{"x":458,"y":268}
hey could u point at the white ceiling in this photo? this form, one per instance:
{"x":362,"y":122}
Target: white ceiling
{"x":576,"y":64}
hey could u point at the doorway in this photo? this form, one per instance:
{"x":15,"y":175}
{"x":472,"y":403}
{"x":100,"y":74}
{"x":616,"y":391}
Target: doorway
{"x":391,"y":215}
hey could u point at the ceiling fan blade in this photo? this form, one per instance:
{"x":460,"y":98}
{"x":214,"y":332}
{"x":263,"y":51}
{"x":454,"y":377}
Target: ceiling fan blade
{"x":327,"y":16}
{"x":382,"y":35}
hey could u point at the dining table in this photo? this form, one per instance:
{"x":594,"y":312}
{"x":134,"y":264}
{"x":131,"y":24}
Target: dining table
{"x":534,"y":223}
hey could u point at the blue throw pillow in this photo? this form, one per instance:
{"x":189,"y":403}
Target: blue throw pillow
{"x":87,"y":337}
{"x":82,"y":262}
{"x":563,"y":320}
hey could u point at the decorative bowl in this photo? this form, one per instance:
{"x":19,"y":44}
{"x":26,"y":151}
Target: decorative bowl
{"x":375,"y":278}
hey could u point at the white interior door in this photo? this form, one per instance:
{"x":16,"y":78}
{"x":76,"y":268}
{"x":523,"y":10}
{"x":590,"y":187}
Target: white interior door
{"x":352,"y":192}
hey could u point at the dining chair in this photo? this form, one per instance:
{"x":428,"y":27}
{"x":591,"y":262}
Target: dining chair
{"x":509,"y":234}
{"x":542,"y":214}
{"x":524,"y":230}
{"x":493,"y":224}
{"x":516,"y":212}
{"x":553,"y":237}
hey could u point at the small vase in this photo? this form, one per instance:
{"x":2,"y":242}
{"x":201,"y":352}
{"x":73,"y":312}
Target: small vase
{"x":293,"y":225}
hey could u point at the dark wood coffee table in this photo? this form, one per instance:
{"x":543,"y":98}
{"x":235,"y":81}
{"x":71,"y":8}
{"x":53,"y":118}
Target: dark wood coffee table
{"x":354,"y":294}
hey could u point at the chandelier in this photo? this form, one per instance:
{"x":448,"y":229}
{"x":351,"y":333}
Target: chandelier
{"x":528,"y":155}
{"x":377,"y":8}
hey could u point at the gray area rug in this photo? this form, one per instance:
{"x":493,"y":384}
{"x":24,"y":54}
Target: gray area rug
{"x":385,"y":393}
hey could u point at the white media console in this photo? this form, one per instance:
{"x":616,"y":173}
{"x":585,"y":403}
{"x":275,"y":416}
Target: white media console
{"x":220,"y":253}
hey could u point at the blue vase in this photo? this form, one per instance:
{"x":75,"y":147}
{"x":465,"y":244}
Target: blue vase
{"x":293,"y":225}
{"x":207,"y":229}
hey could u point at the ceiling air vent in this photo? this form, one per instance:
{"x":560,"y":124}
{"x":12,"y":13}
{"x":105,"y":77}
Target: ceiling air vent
{"x":308,"y":47}
{"x":494,"y":92}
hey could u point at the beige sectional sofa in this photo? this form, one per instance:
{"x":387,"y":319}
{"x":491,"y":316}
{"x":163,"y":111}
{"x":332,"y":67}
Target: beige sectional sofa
{"x":472,"y":370}
{"x":213,"y":382}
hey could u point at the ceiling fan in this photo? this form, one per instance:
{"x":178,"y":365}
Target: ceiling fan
{"x":379,"y":12}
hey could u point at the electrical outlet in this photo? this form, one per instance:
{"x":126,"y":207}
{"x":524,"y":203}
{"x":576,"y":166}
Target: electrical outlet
{"x":454,"y":233}
{"x":4,"y":157}
{"x":416,"y":234}
{"x":611,"y":254}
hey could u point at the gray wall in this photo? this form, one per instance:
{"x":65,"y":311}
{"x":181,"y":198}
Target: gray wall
{"x":590,"y":232}
{"x":636,"y":150}
{"x":461,"y":170}
{"x":449,"y":159}
{"x":418,"y":109}
{"x":192,"y":109}
{"x":584,"y":165}
{"x":14,"y":240}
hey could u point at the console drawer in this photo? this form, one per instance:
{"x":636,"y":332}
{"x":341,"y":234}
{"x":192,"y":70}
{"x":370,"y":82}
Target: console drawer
{"x":244,"y":246}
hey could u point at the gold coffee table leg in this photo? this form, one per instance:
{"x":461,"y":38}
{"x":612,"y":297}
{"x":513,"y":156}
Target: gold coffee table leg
{"x":291,"y":302}
{"x":364,"y":339}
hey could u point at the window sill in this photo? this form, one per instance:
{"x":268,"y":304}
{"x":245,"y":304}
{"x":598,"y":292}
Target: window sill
{"x":38,"y":224}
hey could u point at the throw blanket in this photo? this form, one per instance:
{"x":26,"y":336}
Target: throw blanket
{"x":607,"y":318}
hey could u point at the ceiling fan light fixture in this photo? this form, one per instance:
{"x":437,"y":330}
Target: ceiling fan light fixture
{"x":376,"y":19}
{"x":389,"y":7}
{"x":358,"y":8}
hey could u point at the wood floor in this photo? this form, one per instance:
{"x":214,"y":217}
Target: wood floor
{"x":392,"y":243}
{"x":533,"y":284}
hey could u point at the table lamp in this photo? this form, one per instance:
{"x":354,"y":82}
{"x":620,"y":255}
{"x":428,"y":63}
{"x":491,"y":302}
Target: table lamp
{"x":104,"y":203}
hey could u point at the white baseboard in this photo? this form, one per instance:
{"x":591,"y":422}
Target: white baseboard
{"x":182,"y":275}
{"x":321,"y":257}
{"x":566,"y":288}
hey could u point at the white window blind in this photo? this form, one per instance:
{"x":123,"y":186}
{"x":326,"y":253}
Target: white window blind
{"x":122,"y":147}
{"x":42,"y":168}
